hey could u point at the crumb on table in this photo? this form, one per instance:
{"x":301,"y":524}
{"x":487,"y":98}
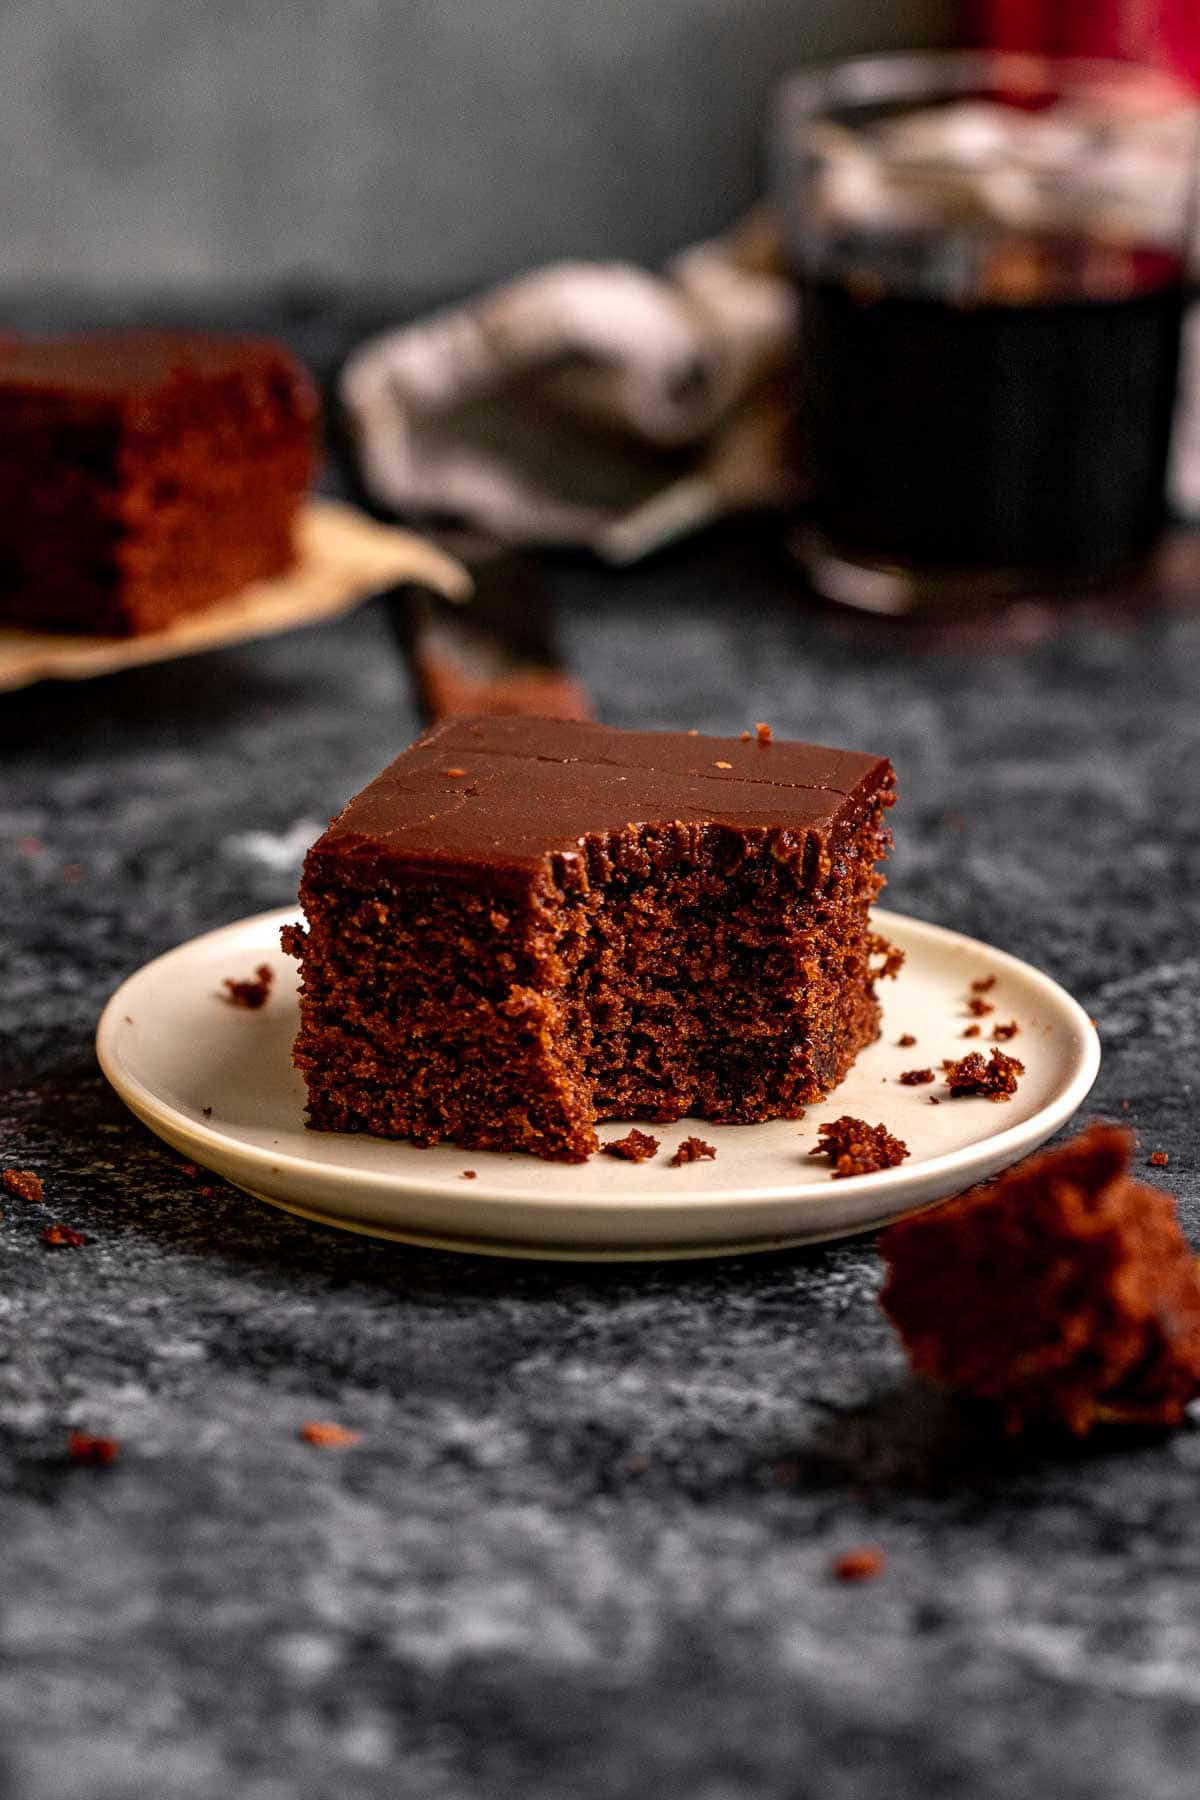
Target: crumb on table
{"x":23,"y":1183}
{"x":763,"y":732}
{"x":862,"y":1564}
{"x":973,"y":1031}
{"x":1002,"y":1032}
{"x":251,"y":994}
{"x":86,"y":1447}
{"x":978,"y":1007}
{"x":984,"y":985}
{"x":690,"y":1151}
{"x":856,"y":1148}
{"x":62,"y":1237}
{"x":1159,"y":1159}
{"x":906,"y":1040}
{"x":638,"y":1146}
{"x":468,"y":1175}
{"x":916,"y":1077}
{"x":971,"y":1077}
{"x":326,"y":1435}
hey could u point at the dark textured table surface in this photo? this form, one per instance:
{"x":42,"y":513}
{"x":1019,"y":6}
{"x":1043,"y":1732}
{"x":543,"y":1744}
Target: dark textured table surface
{"x":584,"y":1547}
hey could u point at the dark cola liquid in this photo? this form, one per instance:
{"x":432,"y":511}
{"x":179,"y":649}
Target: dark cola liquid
{"x":992,"y":435}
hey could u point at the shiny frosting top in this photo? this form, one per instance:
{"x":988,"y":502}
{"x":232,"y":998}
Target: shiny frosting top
{"x":508,"y":793}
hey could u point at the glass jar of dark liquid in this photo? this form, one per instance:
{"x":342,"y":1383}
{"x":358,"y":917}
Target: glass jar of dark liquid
{"x":991,"y":256}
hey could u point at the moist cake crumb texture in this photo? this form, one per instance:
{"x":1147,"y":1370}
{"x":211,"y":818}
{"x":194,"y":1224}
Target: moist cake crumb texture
{"x":1064,"y":1290}
{"x":856,"y":1148}
{"x":602,"y":925}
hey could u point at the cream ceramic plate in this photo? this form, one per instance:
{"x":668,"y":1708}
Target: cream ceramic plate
{"x":216,"y":1081}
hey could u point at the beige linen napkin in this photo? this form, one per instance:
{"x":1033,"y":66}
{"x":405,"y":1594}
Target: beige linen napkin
{"x":588,"y":404}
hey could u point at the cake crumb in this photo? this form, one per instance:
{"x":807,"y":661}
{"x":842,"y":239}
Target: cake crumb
{"x":906,"y":1041}
{"x":1159,"y":1159}
{"x":859,"y":1565}
{"x":692,"y":732}
{"x":190,"y":1170}
{"x":745,"y":737}
{"x":690,"y":1151}
{"x":1063,"y":1291}
{"x":984,"y":985}
{"x":468,"y":1175}
{"x":916,"y":1077}
{"x":638,"y":1146}
{"x":61,"y":1237}
{"x":23,"y":1183}
{"x":206,"y":1112}
{"x":86,"y":1447}
{"x":1001,"y":1033}
{"x":934,"y":1101}
{"x":327,"y":1435}
{"x":763,"y":732}
{"x":856,"y":1148}
{"x":722,"y":765}
{"x":893,"y":958}
{"x":456,"y":771}
{"x":252,"y":994}
{"x":208,"y":1193}
{"x":973,"y":1031}
{"x":995,"y":1079}
{"x":979,"y":1008}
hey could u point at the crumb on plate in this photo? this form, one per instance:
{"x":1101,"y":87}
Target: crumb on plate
{"x":638,"y":1146}
{"x":856,"y":1148}
{"x":995,"y":1079}
{"x":690,"y":1151}
{"x":251,"y":994}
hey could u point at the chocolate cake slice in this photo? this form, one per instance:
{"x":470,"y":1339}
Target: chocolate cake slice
{"x":525,"y":926}
{"x":145,"y":475}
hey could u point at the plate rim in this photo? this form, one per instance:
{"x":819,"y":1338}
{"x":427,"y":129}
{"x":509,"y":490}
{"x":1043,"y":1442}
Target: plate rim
{"x":1031,"y":1131}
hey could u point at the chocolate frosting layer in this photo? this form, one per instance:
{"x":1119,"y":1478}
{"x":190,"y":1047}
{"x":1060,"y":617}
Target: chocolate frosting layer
{"x":113,"y":364}
{"x":508,"y":794}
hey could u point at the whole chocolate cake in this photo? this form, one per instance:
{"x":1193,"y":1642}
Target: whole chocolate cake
{"x":145,"y":475}
{"x":525,"y":926}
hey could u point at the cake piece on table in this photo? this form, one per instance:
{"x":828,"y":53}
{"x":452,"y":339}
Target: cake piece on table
{"x":525,"y":926}
{"x":145,"y":475}
{"x":1064,"y":1291}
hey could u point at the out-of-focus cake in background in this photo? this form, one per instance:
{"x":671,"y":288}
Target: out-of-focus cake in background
{"x":145,"y":475}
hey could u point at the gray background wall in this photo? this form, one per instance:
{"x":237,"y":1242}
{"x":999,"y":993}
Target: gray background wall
{"x":419,"y":144}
